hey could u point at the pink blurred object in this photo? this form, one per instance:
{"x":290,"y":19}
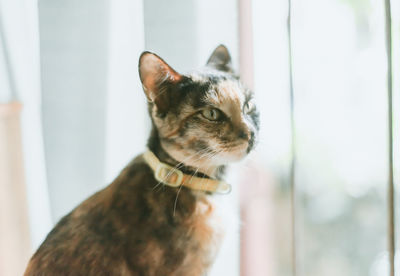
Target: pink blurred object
{"x":256,"y":203}
{"x":14,"y":225}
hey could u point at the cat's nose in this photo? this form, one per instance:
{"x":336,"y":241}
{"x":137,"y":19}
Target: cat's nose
{"x":243,"y":134}
{"x":251,"y":141}
{"x":252,"y":135}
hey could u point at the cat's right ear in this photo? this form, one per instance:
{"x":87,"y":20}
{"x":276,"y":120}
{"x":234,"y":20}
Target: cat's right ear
{"x":154,"y":74}
{"x":220,"y":59}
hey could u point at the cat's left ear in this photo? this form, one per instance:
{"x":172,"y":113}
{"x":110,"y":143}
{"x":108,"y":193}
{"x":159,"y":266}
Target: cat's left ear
{"x":220,"y":59}
{"x":155,"y":74}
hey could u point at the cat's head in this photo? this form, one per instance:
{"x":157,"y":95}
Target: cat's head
{"x":206,"y":117}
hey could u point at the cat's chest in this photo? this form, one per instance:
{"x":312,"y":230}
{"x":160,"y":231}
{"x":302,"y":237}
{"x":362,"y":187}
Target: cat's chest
{"x":210,"y":222}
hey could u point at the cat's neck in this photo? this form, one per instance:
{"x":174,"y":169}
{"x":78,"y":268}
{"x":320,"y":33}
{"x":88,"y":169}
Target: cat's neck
{"x":155,"y":146}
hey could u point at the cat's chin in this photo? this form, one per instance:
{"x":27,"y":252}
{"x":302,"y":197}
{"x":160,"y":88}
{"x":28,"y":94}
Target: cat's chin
{"x":231,"y":157}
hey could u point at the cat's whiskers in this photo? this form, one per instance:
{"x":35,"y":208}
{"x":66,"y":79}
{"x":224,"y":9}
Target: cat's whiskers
{"x":209,"y":156}
{"x":180,"y":188}
{"x":207,"y":171}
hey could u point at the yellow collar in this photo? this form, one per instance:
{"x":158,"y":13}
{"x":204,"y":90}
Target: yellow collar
{"x":173,"y":177}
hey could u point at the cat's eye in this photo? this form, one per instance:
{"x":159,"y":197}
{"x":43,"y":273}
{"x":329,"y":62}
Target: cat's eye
{"x":248,"y":107}
{"x":212,"y":114}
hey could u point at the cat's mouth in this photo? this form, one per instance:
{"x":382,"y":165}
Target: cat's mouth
{"x":236,"y":152}
{"x":243,"y":147}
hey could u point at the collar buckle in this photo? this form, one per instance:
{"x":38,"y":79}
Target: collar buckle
{"x":168,"y":175}
{"x":224,"y":188}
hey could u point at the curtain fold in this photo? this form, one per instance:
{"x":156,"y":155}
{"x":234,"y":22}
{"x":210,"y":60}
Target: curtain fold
{"x":74,"y":61}
{"x":127,"y":122}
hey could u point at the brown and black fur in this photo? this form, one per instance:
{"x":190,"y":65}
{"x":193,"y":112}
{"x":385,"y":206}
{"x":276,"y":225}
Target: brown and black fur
{"x":136,"y":226}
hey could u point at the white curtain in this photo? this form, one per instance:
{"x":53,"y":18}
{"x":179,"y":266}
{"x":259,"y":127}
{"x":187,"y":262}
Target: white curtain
{"x":94,"y":111}
{"x":127,"y":122}
{"x":74,"y":68}
{"x":22,"y":168}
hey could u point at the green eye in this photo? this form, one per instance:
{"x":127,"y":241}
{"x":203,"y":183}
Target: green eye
{"x":211,"y":114}
{"x":248,"y":107}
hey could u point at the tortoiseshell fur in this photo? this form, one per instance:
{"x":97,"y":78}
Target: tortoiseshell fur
{"x":137,"y":226}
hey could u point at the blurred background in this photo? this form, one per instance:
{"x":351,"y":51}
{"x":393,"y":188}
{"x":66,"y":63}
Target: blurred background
{"x":72,"y":115}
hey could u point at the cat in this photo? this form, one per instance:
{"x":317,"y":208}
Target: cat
{"x":159,"y":216}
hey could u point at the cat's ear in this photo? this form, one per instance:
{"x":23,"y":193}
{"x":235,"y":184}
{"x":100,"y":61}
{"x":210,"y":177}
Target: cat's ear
{"x":154,"y":74}
{"x":220,"y":59}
